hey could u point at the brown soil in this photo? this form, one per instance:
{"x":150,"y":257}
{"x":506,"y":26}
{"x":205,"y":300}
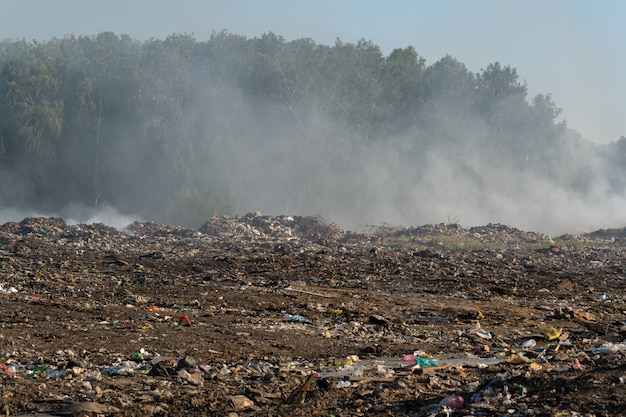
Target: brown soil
{"x":291,"y":316}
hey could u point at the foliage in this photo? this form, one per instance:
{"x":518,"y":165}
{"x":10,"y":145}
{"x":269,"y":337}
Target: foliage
{"x":106,"y":119}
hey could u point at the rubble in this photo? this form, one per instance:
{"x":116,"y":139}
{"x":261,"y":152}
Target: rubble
{"x":288,"y":315}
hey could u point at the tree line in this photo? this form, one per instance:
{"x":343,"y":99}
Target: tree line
{"x":171,"y":128}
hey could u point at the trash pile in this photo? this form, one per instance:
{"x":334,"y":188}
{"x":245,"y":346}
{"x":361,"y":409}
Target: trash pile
{"x":286,"y":315}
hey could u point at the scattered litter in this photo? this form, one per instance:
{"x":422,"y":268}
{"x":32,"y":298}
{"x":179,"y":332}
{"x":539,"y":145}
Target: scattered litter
{"x":414,"y":325}
{"x":296,"y":318}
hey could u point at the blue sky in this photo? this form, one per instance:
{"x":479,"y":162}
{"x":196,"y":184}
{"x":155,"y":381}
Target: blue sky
{"x":571,"y":49}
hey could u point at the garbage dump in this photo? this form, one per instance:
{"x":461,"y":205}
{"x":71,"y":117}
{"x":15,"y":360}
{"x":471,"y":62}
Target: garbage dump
{"x":286,"y":315}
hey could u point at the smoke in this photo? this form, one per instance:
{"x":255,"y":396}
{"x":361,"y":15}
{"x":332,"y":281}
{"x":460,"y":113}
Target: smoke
{"x":73,"y":215}
{"x":322,"y":170}
{"x":13,"y":214}
{"x":305,"y":143}
{"x":104,"y":214}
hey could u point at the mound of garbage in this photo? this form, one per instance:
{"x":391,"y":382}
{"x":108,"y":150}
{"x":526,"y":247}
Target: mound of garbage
{"x":291,"y":315}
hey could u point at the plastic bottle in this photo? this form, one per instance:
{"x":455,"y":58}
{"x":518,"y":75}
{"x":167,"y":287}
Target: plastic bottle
{"x":38,"y":370}
{"x":54,"y":373}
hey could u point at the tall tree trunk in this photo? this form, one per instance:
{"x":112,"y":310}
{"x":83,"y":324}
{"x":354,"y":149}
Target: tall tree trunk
{"x":96,"y":174}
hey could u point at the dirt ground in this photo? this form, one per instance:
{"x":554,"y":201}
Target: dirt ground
{"x":292,"y":316}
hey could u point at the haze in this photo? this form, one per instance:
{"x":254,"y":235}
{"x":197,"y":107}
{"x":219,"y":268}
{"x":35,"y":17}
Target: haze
{"x":565,"y":49}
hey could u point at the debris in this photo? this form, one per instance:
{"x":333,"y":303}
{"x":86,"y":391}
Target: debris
{"x":425,"y":363}
{"x":609,"y":348}
{"x":343,"y":384}
{"x":275,"y":315}
{"x":240,"y":402}
{"x":297,"y":318}
{"x":552,"y":333}
{"x":453,"y":401}
{"x":576,"y":365}
{"x":377,"y":319}
{"x":479,"y":332}
{"x":518,"y":358}
{"x":298,"y":396}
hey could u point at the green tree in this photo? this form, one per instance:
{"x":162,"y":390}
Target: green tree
{"x":501,"y":96}
{"x":403,"y":80}
{"x":32,"y":86}
{"x":359,"y":87}
{"x":448,"y":114}
{"x":34,"y":116}
{"x":113,"y":69}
